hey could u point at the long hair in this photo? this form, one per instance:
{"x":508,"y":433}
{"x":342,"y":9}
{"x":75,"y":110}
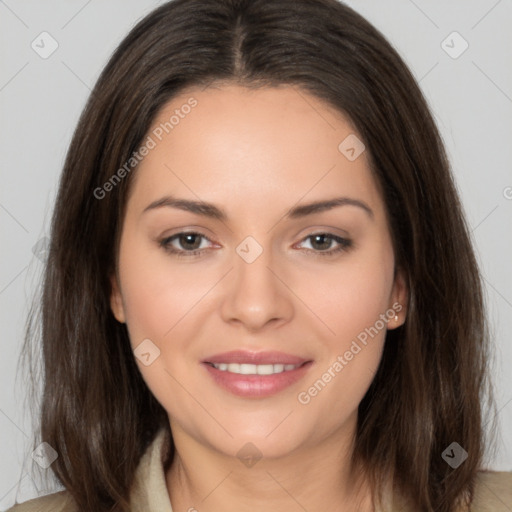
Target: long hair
{"x":96,"y":410}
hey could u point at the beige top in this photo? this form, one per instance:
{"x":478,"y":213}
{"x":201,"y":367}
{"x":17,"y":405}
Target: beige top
{"x":149,"y":493}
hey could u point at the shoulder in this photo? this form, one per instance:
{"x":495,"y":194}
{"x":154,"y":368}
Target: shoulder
{"x":56,"y":502}
{"x":493,"y":492}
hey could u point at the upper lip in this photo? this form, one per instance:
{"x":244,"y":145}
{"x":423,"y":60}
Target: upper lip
{"x":246,"y":357}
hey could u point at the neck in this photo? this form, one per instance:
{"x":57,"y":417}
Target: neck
{"x":318,"y":478}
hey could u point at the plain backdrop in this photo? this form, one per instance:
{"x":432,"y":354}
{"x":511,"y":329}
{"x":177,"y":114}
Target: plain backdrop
{"x":466,"y":78}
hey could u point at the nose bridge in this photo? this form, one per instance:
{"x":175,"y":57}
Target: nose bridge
{"x":256,"y":295}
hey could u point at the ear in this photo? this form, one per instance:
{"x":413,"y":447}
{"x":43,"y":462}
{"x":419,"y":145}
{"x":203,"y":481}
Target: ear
{"x":398,"y":300}
{"x":116,"y":300}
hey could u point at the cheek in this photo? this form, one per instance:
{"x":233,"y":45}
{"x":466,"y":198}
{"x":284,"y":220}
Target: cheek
{"x":350,"y":295}
{"x":354,"y":300}
{"x":157,"y":296}
{"x":363,"y":297}
{"x":157,"y":293}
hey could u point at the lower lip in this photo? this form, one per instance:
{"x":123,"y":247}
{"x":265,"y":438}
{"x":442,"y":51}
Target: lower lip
{"x":257,"y":386}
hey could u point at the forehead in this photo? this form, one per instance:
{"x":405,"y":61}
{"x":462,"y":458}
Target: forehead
{"x":234,"y":144}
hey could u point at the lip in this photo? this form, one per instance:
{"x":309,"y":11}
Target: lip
{"x":256,"y":386}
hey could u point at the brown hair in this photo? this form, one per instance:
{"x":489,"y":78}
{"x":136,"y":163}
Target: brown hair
{"x":98,"y":413}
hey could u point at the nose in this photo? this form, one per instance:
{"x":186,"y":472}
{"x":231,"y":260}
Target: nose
{"x":257,"y":294}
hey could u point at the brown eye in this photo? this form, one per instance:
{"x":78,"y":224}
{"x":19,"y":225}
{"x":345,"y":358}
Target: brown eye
{"x":322,"y":243}
{"x":184,"y":244}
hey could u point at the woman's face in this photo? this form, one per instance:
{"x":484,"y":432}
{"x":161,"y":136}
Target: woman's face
{"x":289,"y":301}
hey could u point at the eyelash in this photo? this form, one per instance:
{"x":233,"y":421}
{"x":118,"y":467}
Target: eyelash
{"x":344,"y":244}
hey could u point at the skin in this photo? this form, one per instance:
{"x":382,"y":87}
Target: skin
{"x":256,"y":154}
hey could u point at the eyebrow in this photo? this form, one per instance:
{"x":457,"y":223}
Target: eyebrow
{"x":210,"y":210}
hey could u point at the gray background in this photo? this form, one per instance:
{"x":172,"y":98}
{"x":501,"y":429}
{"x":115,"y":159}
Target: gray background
{"x":41,"y":99}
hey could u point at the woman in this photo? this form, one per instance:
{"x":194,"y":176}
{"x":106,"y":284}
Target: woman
{"x":259,"y":263}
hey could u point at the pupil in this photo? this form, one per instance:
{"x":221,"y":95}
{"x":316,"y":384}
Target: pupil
{"x":322,"y":238}
{"x":187,"y":238}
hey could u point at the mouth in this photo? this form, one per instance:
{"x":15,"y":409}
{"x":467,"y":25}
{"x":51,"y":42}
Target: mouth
{"x":256,"y":374}
{"x":255,"y":369}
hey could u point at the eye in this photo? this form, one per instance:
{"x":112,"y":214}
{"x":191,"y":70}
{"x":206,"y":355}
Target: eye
{"x":190,"y":242}
{"x":321,"y":244}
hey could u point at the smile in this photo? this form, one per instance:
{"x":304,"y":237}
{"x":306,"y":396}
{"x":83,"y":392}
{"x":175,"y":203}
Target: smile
{"x":255,"y":381}
{"x":254,"y":369}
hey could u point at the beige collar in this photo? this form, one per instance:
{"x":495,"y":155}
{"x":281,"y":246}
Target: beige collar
{"x":149,"y":490}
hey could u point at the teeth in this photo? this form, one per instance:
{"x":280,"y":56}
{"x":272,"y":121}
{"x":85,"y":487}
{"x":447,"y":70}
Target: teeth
{"x":255,"y":369}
